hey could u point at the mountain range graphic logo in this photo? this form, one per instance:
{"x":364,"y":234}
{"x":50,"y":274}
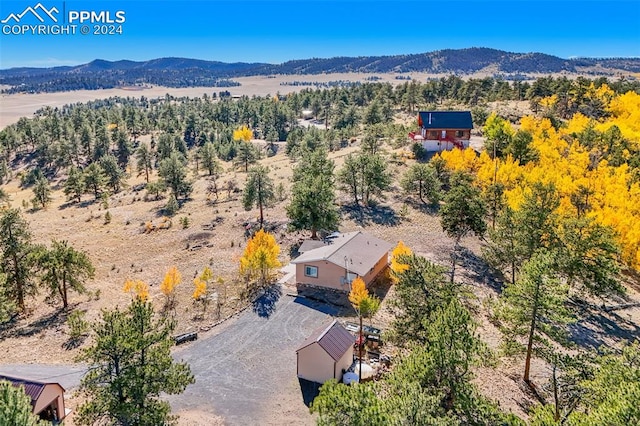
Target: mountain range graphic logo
{"x":50,"y":13}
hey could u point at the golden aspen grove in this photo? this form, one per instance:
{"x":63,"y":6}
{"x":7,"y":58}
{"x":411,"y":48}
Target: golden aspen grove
{"x":565,"y":160}
{"x":260,"y":257}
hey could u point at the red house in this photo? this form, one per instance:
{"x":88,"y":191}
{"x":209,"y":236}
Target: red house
{"x":443,"y":130}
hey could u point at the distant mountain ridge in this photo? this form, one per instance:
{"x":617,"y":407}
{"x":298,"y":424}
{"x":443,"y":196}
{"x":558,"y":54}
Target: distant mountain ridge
{"x":182,"y":72}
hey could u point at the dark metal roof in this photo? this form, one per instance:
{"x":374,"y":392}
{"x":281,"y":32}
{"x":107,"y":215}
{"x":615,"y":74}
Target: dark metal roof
{"x":32,"y":388}
{"x":334,"y":339}
{"x":445,"y":119}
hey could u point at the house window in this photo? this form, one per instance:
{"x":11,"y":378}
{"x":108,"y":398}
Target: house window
{"x":311,"y":271}
{"x":459,"y":133}
{"x":433,"y":134}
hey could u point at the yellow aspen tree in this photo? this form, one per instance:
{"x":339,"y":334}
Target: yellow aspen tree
{"x":168,"y":286}
{"x":260,"y":257}
{"x":247,"y":153}
{"x":206,"y":274}
{"x":549,"y":101}
{"x":200,"y":294}
{"x":137,"y":288}
{"x":365,"y":305}
{"x":397,"y":267}
{"x":625,"y":111}
{"x":358,"y":292}
{"x":461,"y":160}
{"x":243,"y":134}
{"x":200,"y":289}
{"x":504,"y":171}
{"x":577,"y":124}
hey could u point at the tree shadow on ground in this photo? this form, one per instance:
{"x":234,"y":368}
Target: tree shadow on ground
{"x":597,"y":327}
{"x":74,"y":342}
{"x":416,"y":204}
{"x":317,"y":305}
{"x":78,"y":204}
{"x":477,"y":270}
{"x":293,"y":249}
{"x":265,"y":304}
{"x":379,"y":215}
{"x":309,"y":391}
{"x":51,"y":320}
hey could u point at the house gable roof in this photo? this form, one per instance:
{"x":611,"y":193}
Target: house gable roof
{"x":310,"y":245}
{"x":445,"y":120}
{"x":32,"y":388}
{"x":334,"y":339}
{"x":361,"y":250}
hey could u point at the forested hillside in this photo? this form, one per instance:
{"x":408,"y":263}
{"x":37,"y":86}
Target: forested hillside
{"x":543,"y":240}
{"x":182,"y":72}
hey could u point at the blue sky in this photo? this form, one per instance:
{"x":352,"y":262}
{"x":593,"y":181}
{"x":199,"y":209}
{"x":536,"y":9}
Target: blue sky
{"x":276,"y":31}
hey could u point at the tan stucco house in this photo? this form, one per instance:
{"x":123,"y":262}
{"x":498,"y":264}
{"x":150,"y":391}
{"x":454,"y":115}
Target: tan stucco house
{"x":47,"y":398}
{"x":326,"y":354}
{"x":337,"y":260}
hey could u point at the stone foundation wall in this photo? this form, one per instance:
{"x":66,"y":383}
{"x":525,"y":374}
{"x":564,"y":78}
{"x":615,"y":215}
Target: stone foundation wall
{"x":324,"y":294}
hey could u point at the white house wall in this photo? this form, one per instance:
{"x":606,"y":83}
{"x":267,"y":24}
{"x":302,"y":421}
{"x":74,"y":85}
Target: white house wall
{"x":437,"y":146}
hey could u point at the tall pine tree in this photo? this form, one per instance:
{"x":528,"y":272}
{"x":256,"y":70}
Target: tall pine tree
{"x":130,"y":367}
{"x":16,"y":261}
{"x":258,"y":191}
{"x":313,"y":194}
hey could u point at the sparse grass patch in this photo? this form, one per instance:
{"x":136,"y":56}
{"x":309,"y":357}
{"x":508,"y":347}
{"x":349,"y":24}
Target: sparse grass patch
{"x":184,"y":221}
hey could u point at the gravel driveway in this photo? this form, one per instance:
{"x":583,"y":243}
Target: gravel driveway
{"x":245,"y":369}
{"x":246,"y":372}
